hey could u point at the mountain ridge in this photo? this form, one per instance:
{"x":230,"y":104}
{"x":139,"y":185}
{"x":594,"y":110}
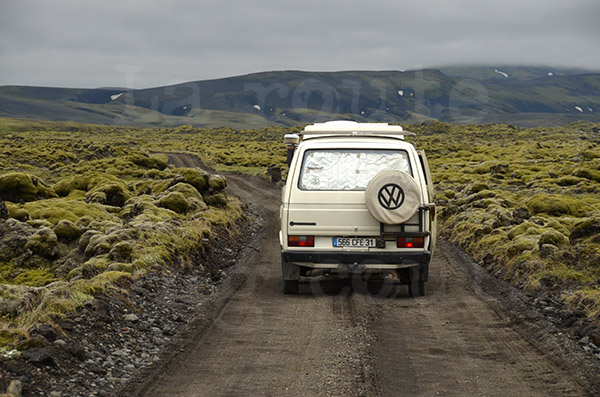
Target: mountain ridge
{"x":299,"y":97}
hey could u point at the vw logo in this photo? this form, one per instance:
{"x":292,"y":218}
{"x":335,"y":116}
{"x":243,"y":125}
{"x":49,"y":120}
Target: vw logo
{"x":391,"y":196}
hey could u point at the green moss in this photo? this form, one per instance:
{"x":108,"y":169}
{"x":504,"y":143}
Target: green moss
{"x":584,"y":229}
{"x":186,"y":189}
{"x":143,"y":209}
{"x":553,"y":237}
{"x":482,"y":194}
{"x":65,"y":186}
{"x":521,"y":244}
{"x":450,"y":194}
{"x":99,"y":244}
{"x":55,"y":210}
{"x":216,"y":182}
{"x":121,"y":251}
{"x":216,"y":200}
{"x":29,"y":343}
{"x":554,"y":204}
{"x":7,"y":338}
{"x":17,"y":186}
{"x":113,"y":193}
{"x":66,"y":230}
{"x":121,"y":267}
{"x":586,"y":173}
{"x":34,"y":278}
{"x":568,"y":181}
{"x":591,"y":154}
{"x":525,"y":228}
{"x":175,"y":201}
{"x":195,"y":177}
{"x":101,"y":188}
{"x":84,"y":240}
{"x":43,"y":242}
{"x":477,"y":187}
{"x":76,"y":194}
{"x":17,"y":212}
{"x":158,"y":161}
{"x":90,"y":268}
{"x":565,"y":273}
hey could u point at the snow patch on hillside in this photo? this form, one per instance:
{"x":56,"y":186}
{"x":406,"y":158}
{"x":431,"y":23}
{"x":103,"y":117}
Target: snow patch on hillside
{"x":257,"y":107}
{"x":115,"y":97}
{"x":579,"y":109}
{"x":505,"y":75}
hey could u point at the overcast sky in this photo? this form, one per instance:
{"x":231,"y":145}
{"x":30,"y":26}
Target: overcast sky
{"x":144,"y":43}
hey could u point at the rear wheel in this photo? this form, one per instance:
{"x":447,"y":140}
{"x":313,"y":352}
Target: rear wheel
{"x":416,"y":287}
{"x":290,"y":287}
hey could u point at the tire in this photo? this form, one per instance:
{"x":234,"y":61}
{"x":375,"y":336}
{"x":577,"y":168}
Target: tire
{"x":416,"y":287}
{"x":392,"y":197}
{"x":290,"y":287}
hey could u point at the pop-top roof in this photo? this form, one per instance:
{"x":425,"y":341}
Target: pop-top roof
{"x":343,"y":127}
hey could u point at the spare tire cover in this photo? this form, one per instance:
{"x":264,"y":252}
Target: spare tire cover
{"x":392,"y":197}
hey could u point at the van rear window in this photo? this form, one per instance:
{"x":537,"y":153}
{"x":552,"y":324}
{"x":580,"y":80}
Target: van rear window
{"x":347,"y":169}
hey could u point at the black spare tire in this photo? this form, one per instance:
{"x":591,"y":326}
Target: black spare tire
{"x":392,"y":197}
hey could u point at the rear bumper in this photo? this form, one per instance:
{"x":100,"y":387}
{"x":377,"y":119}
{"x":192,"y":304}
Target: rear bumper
{"x":333,"y":260}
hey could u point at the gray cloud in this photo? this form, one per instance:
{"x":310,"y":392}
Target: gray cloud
{"x":86,"y":43}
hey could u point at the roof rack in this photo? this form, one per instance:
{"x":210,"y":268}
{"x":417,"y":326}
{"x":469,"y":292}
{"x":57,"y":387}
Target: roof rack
{"x":352,"y":128}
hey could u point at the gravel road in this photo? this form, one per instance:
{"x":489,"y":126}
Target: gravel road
{"x":471,"y":335}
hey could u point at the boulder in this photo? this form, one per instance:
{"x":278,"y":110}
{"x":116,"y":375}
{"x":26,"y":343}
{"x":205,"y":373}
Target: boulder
{"x":186,"y":189}
{"x":553,"y":237}
{"x":19,"y":213}
{"x":174,"y":201}
{"x":216,"y":200}
{"x":196,"y":178}
{"x":43,"y":242}
{"x":216,"y":182}
{"x":13,"y":237}
{"x":66,"y":230}
{"x":19,"y":186}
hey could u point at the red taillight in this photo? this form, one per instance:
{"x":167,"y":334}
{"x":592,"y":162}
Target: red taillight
{"x":410,"y":242}
{"x":301,"y":241}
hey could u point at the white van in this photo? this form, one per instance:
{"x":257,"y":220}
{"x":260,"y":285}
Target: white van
{"x":358,"y":199}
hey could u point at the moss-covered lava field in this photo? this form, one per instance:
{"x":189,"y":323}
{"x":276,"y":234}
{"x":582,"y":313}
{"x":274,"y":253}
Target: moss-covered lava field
{"x":87,"y":205}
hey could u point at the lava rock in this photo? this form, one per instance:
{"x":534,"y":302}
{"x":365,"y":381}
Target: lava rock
{"x":47,"y":332}
{"x":3,"y":211}
{"x":40,"y":356}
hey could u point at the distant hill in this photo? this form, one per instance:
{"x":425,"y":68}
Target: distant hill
{"x":502,"y":72}
{"x":527,"y":96}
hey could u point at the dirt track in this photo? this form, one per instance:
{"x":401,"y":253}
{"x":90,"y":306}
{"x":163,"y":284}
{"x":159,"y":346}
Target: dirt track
{"x":349,"y":338}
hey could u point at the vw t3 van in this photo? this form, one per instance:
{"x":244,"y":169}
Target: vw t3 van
{"x":358,"y":199}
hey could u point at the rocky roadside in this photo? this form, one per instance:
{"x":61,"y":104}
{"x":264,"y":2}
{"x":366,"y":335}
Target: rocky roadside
{"x":111,"y":345}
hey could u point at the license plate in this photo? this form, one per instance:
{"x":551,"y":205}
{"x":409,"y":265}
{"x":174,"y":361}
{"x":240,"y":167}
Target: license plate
{"x":354,"y":242}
